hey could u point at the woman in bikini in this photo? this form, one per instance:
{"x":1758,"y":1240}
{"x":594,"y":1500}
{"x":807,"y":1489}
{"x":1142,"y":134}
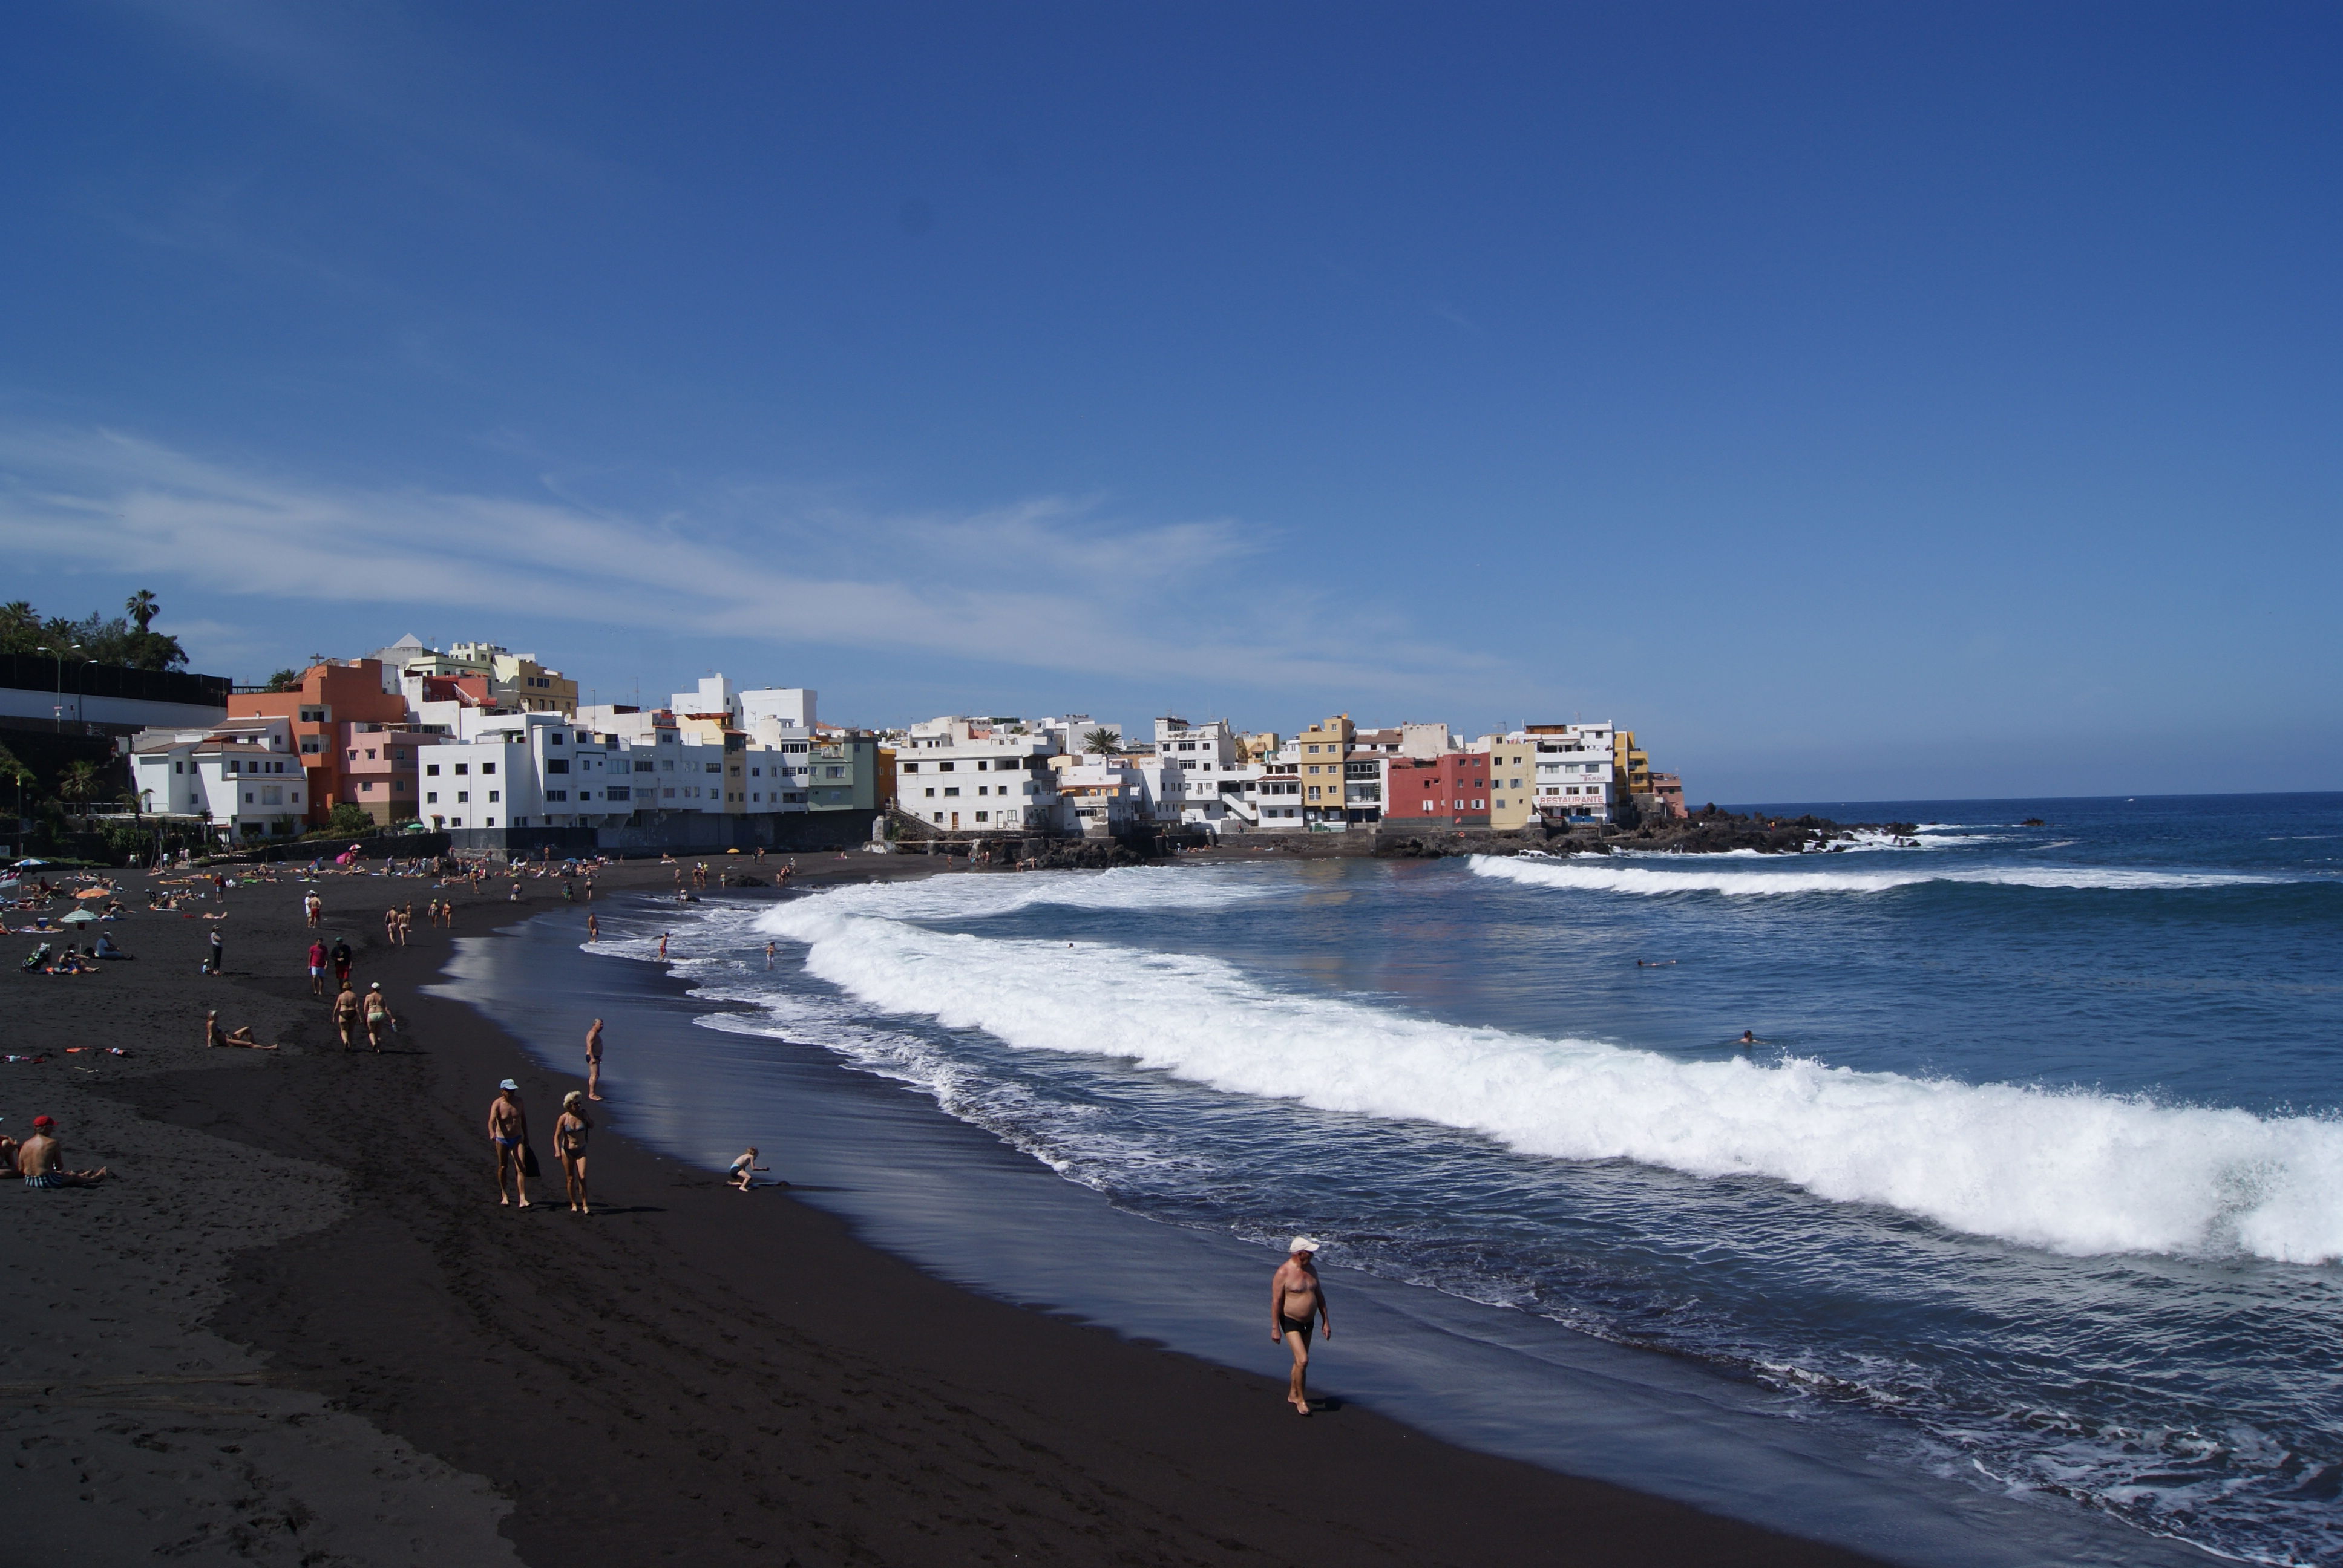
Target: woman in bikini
{"x":378,"y":1017}
{"x":569,"y":1136}
{"x":215,"y":1035}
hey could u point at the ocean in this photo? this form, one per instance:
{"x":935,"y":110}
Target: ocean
{"x":2026,"y":1197}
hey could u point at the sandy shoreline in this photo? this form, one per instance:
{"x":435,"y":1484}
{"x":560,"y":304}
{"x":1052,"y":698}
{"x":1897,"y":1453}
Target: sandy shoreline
{"x":411,"y":1372}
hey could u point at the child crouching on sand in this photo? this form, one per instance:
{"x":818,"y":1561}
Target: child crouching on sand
{"x":743,"y":1170}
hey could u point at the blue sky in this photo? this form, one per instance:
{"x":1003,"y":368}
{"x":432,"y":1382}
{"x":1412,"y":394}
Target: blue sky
{"x":1858,"y":401}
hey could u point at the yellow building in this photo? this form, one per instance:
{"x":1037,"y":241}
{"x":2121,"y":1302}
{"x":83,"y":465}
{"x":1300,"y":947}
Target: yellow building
{"x":520,"y":681}
{"x":1513,"y":780}
{"x":1320,"y":752}
{"x":1630,"y":768}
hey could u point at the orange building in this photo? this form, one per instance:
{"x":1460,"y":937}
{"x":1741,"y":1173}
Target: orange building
{"x":330,"y":696}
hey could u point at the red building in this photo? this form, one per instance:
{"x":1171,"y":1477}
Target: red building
{"x":1451,"y":790}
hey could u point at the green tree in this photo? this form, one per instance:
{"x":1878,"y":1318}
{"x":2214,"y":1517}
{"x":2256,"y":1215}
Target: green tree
{"x":14,"y":772}
{"x":78,"y":780}
{"x":24,"y":630}
{"x":1101,"y":743}
{"x":348,"y":817}
{"x":285,"y":680}
{"x":142,"y":606}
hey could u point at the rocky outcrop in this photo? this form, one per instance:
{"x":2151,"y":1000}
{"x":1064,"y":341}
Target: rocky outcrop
{"x":1708,"y":831}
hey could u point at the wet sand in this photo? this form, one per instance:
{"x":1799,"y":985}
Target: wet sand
{"x":377,"y":1363}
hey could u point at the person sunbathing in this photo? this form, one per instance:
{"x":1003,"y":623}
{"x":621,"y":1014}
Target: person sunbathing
{"x":213,"y":1035}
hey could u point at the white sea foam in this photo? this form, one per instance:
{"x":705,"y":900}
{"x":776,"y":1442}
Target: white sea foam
{"x":964,"y":897}
{"x":1605,"y":876}
{"x":2073,"y":1173}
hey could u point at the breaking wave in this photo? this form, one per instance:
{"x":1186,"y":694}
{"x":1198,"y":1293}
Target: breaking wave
{"x":2072,"y":1172}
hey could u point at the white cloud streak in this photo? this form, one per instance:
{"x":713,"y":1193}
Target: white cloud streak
{"x":1051,"y":583}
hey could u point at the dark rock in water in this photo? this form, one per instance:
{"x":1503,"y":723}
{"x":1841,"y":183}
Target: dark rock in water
{"x":1085,"y":855}
{"x":2034,"y":822}
{"x":1708,"y":831}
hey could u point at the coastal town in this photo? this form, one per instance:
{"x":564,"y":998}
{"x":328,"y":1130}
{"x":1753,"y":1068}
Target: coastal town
{"x":496,"y":750}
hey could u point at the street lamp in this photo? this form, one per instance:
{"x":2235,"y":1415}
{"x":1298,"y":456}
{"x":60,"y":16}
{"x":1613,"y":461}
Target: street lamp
{"x":59,"y":655}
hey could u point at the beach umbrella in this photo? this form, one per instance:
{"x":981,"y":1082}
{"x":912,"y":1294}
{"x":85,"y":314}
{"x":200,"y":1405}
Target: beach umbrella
{"x":78,"y":918}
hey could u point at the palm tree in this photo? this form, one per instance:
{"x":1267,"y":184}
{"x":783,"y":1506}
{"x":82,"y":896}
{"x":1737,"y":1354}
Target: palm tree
{"x":78,"y":780}
{"x":1102,"y":742}
{"x":142,"y":607}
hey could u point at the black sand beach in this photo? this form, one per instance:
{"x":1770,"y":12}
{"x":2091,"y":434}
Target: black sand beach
{"x":299,"y":1328}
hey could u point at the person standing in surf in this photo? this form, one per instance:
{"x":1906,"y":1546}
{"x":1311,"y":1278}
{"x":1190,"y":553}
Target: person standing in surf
{"x":1295,"y":1295}
{"x":594,"y":1060}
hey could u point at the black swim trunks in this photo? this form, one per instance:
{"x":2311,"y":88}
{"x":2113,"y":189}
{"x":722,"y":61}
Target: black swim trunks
{"x":1297,"y":1326}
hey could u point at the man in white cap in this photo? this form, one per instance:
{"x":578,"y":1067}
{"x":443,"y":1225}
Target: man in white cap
{"x":1295,"y":1294}
{"x":509,"y":1130}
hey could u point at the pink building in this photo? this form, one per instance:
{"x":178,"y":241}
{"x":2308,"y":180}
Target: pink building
{"x":378,"y":769}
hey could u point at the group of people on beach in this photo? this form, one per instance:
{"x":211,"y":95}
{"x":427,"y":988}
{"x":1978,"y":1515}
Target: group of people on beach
{"x":515,"y":1162}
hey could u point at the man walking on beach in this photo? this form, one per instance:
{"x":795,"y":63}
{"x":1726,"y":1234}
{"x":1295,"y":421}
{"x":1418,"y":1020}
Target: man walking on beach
{"x":1295,"y":1296}
{"x":341,"y":961}
{"x":509,"y":1130}
{"x":317,"y":967}
{"x":594,"y":1060}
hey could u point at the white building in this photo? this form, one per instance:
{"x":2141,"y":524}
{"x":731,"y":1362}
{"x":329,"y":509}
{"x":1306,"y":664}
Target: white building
{"x":1574,"y":769}
{"x":788,"y":706}
{"x":544,"y":771}
{"x":243,"y":775}
{"x":1199,"y":776}
{"x":962,"y":775}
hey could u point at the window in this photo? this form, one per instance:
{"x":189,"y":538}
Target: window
{"x":462,"y":795}
{"x":399,"y":754}
{"x":431,"y":797}
{"x":911,"y":768}
{"x":462,"y":768}
{"x":552,"y":765}
{"x":981,"y":817}
{"x":485,"y":767}
{"x":954,"y":791}
{"x":431,"y":770}
{"x":366,"y":787}
{"x":667,"y":764}
{"x":943,"y":766}
{"x":669,"y":793}
{"x":549,"y":794}
{"x":755,"y":773}
{"x":931,"y":791}
{"x":350,"y":755}
{"x":642,"y":767}
{"x":715,"y":768}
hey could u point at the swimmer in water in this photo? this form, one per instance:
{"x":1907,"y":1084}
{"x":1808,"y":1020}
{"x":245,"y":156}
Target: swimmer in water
{"x":1747,"y":1037}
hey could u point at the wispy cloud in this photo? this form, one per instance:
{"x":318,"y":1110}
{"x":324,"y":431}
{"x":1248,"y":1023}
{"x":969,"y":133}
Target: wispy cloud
{"x":1051,"y":583}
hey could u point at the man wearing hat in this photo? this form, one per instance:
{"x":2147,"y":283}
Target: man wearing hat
{"x":509,"y":1130}
{"x":40,"y":1159}
{"x":1295,"y":1295}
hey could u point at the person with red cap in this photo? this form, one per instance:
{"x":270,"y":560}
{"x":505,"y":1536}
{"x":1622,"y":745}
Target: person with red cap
{"x":41,"y":1158}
